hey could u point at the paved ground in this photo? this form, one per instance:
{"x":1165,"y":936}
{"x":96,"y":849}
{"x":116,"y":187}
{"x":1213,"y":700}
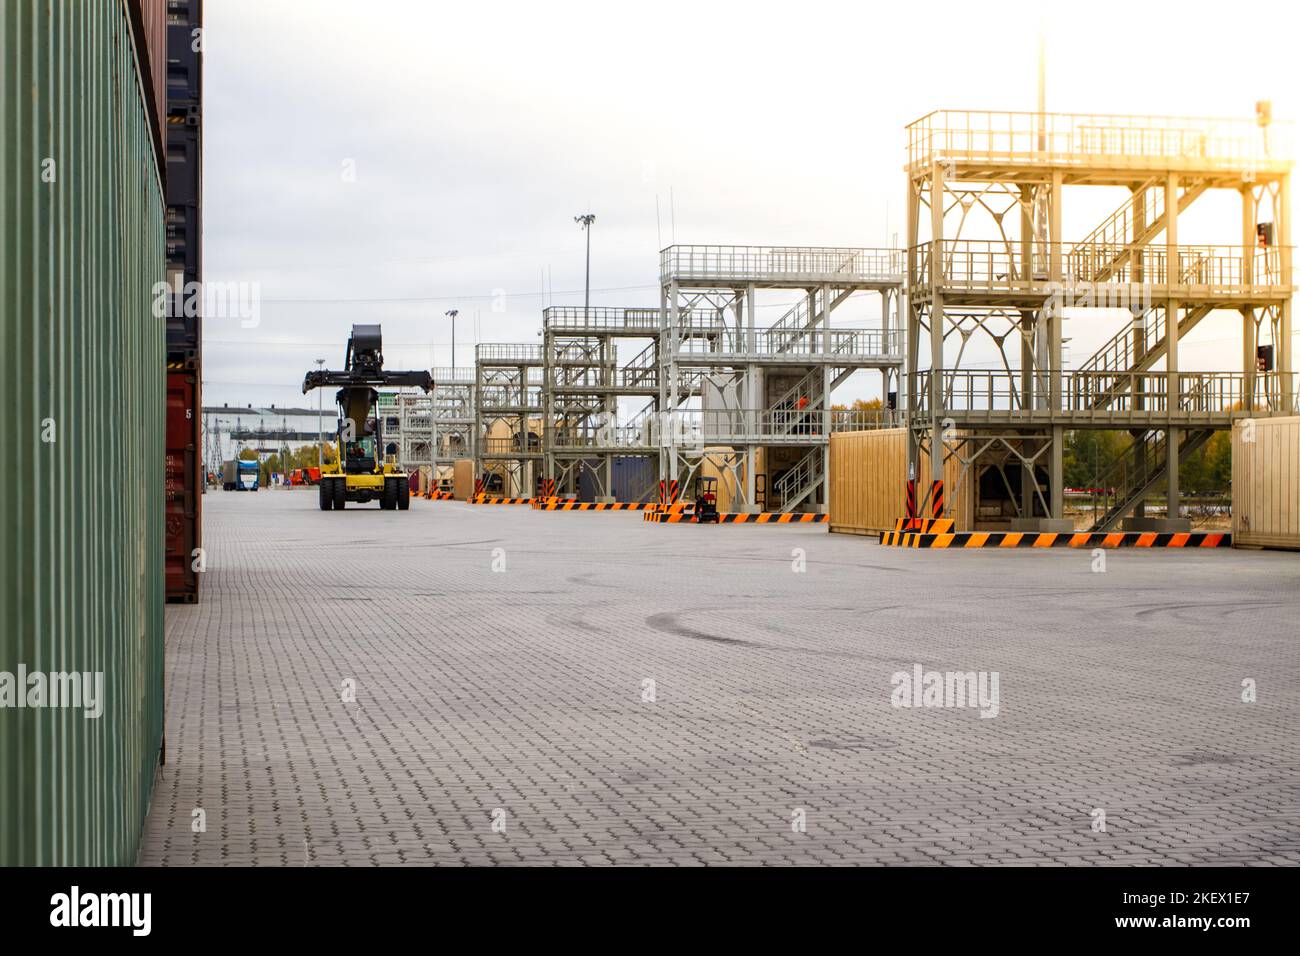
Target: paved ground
{"x":515,"y":697}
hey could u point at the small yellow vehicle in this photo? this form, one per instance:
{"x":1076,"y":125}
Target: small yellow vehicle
{"x":363,"y":473}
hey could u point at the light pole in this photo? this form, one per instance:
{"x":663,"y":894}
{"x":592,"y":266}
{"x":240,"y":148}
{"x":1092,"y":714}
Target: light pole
{"x":453,"y":313}
{"x":585,"y":222}
{"x":320,"y":421}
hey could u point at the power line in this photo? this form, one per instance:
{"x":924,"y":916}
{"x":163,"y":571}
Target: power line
{"x":455,"y":257}
{"x":454,"y":298}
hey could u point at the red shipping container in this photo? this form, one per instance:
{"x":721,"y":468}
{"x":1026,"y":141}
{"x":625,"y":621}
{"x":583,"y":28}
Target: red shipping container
{"x":182,"y":484}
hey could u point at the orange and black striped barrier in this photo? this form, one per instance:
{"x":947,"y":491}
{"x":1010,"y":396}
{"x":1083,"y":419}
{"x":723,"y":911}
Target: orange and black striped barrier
{"x":924,"y":525}
{"x":669,"y":492}
{"x":493,"y":500}
{"x":936,"y":498}
{"x":911,"y":497}
{"x":437,"y":495}
{"x":561,"y":504}
{"x":1078,"y":539}
{"x":738,"y":517}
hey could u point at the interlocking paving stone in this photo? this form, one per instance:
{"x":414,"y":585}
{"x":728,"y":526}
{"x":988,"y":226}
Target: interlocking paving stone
{"x":522,"y":690}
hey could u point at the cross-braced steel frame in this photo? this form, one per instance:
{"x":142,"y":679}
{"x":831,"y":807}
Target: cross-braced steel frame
{"x":414,"y":433}
{"x":453,"y":417}
{"x":752,"y":398}
{"x":508,"y":415}
{"x":586,"y":380}
{"x":988,"y":262}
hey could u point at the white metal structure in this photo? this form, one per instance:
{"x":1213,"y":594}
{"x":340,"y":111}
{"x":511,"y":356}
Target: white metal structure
{"x":595,"y":361}
{"x":763,"y":418}
{"x":508,"y":416}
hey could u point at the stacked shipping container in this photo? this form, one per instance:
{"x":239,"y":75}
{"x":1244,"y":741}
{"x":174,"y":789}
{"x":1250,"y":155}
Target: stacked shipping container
{"x":185,"y":467}
{"x":82,"y":383}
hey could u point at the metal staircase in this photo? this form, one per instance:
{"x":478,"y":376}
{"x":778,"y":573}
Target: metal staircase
{"x":811,"y":386}
{"x":794,"y":487}
{"x":642,"y":370}
{"x":1144,"y":211}
{"x":796,"y":324}
{"x":1137,"y":350}
{"x":1141,"y":467}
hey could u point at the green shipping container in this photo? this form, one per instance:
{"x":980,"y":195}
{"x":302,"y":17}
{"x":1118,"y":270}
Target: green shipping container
{"x":81,"y":473}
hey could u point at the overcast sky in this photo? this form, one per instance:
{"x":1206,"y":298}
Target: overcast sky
{"x":477,"y":131}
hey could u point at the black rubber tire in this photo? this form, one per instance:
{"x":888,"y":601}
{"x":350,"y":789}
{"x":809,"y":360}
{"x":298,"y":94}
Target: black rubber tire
{"x":389,"y":500}
{"x":326,"y":496}
{"x":340,"y":493}
{"x":403,"y":494}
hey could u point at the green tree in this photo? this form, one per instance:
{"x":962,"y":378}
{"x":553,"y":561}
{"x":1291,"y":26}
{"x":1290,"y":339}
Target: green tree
{"x":1209,"y":468}
{"x":1089,"y":453}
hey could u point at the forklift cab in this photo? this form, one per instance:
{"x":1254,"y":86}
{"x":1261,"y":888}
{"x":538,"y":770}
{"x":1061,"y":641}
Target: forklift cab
{"x":359,"y":457}
{"x":706,"y":500}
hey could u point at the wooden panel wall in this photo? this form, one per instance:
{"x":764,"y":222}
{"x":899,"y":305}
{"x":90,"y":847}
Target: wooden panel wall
{"x":868,"y":482}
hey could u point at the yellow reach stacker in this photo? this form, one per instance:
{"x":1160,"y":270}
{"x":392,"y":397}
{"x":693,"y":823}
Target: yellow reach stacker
{"x":362,"y":471}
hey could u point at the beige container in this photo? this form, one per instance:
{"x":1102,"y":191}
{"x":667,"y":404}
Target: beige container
{"x":462,"y":482}
{"x":713,"y":465}
{"x":1266,"y":482}
{"x":869,"y":483}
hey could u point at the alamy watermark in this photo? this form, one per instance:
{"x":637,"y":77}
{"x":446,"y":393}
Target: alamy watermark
{"x":127,"y":910}
{"x":1133,"y":296}
{"x":41,"y":689}
{"x":209,"y":300}
{"x":922,"y":688}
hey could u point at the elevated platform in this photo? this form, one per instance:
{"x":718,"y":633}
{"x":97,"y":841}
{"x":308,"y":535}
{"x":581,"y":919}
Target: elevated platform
{"x":1008,"y":146}
{"x":865,"y":348}
{"x":992,"y":273}
{"x":636,"y":322}
{"x":780,"y":267}
{"x":461,"y":375}
{"x":507,"y":354}
{"x":741,"y":427}
{"x":1117,"y":400}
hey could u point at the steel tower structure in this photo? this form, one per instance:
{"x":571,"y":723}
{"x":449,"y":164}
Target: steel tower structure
{"x":453,"y":415}
{"x":508,"y":415}
{"x":763,"y":416}
{"x":989,"y":260}
{"x":408,"y":425}
{"x":584,"y":378}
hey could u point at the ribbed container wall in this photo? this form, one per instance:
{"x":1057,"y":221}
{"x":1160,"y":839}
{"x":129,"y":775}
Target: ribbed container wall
{"x":869,"y":483}
{"x":82,"y":385}
{"x":1266,"y":483}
